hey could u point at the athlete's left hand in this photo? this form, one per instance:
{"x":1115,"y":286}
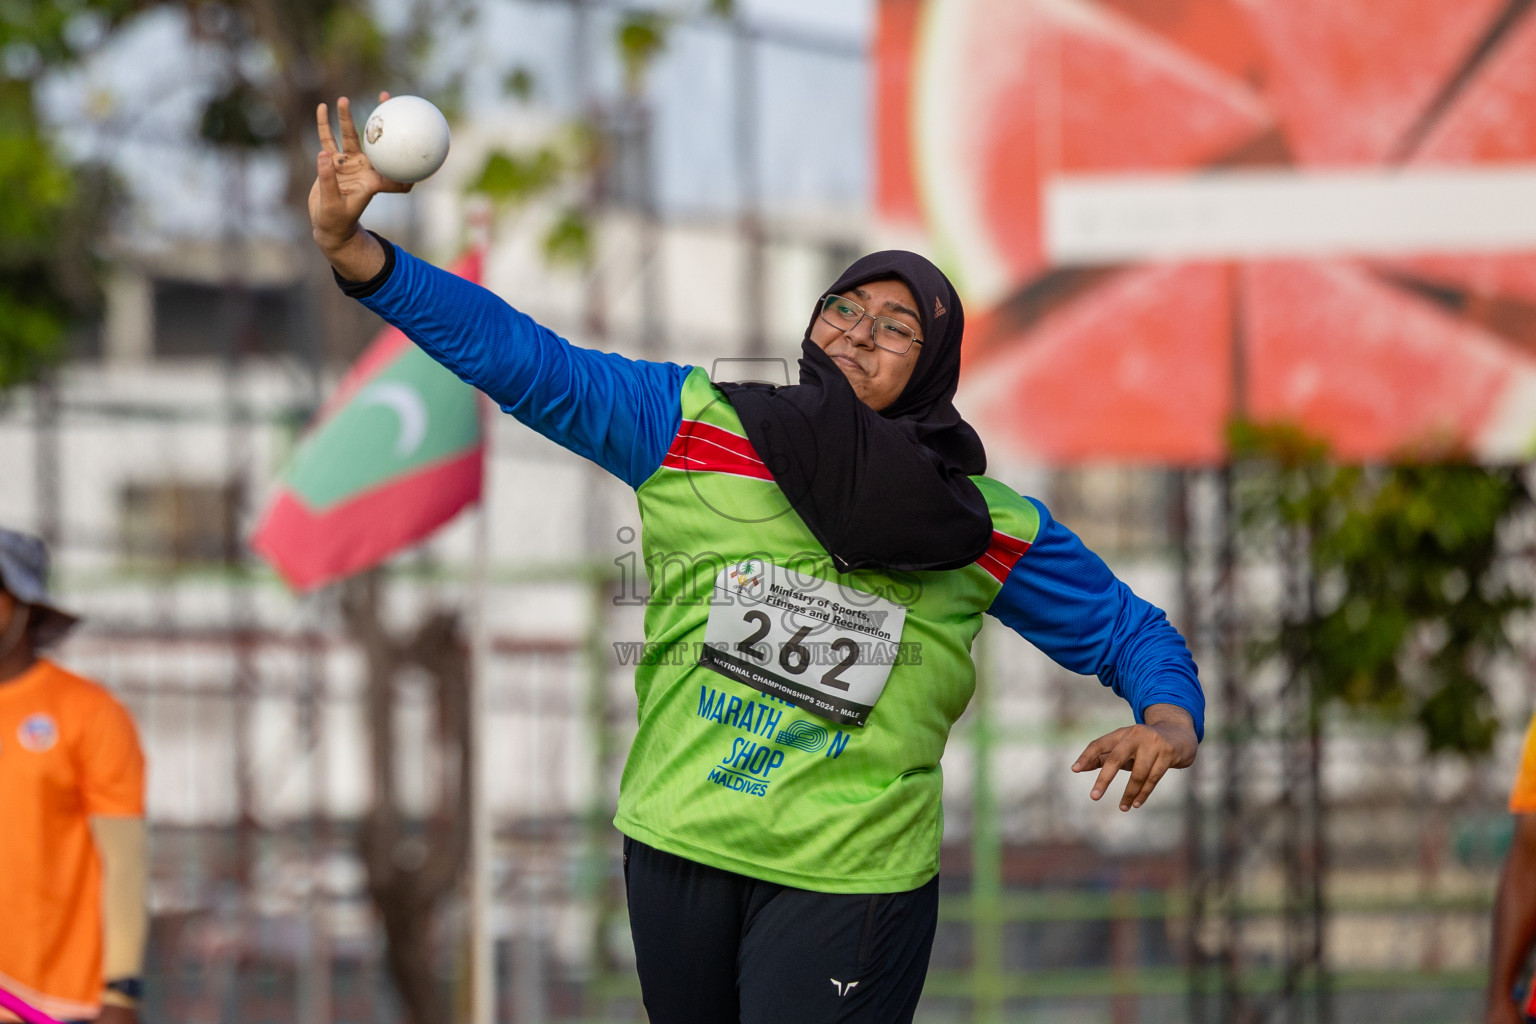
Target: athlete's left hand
{"x":1166,"y":740}
{"x":111,"y":1014}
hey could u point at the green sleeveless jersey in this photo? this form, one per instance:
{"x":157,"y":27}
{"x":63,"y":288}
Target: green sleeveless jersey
{"x":791,"y":717}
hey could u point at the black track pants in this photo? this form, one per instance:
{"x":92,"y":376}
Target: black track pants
{"x":715,"y":947}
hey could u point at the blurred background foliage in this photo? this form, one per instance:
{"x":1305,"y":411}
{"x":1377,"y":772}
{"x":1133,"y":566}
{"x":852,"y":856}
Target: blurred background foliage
{"x":580,"y":153}
{"x":641,"y":37}
{"x":1407,"y":601}
{"x":284,"y":57}
{"x":50,"y":210}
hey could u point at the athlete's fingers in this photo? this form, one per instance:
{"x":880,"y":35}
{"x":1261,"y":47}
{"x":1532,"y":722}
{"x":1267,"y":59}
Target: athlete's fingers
{"x":1093,"y":754}
{"x":1143,"y":756}
{"x":1088,"y":759}
{"x":1142,"y":782}
{"x":390,"y":185}
{"x":1164,"y":766}
{"x":323,"y":123}
{"x":350,"y":143}
{"x":383,"y":96}
{"x":330,"y":188}
{"x":1122,"y":755}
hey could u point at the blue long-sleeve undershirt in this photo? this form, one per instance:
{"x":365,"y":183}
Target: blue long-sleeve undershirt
{"x":621,"y":413}
{"x":624,"y":413}
{"x":1062,"y":598}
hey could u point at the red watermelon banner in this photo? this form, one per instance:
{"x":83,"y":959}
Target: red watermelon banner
{"x":1165,"y":215}
{"x":394,"y":454}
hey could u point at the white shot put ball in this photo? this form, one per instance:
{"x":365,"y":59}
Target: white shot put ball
{"x":406,"y":138}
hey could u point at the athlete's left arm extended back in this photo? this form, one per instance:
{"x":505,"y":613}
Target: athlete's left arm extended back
{"x":1063,"y":598}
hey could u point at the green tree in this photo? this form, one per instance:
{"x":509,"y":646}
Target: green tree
{"x":53,"y":212}
{"x":313,"y":51}
{"x":50,"y":212}
{"x":1409,"y":598}
{"x":578,"y":155}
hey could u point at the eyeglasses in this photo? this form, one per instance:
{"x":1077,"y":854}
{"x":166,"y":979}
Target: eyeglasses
{"x":891,"y":335}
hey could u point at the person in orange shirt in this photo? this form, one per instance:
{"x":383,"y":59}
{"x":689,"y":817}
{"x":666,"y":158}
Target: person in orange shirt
{"x":1514,"y":909}
{"x":73,"y":869}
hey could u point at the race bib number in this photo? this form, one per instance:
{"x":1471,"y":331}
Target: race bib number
{"x":818,"y":645}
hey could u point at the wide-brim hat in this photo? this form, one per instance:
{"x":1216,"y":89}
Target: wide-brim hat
{"x":24,"y":575}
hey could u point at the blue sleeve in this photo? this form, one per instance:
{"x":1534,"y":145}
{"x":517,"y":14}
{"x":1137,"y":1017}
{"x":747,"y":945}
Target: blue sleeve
{"x":1062,"y":598}
{"x":620,"y":413}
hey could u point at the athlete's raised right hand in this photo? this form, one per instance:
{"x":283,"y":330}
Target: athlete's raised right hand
{"x":345,"y":183}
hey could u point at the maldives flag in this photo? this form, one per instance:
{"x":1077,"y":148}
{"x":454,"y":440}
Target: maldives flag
{"x":395,"y":453}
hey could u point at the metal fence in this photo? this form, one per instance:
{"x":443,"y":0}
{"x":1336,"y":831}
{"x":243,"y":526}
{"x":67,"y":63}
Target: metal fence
{"x":1053,"y":909}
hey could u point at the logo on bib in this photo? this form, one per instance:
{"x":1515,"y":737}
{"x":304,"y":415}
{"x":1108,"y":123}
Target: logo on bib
{"x":37,"y":733}
{"x":745,"y":577}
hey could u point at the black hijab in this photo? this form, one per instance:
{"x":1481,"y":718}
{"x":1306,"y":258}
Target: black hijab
{"x":880,"y":490}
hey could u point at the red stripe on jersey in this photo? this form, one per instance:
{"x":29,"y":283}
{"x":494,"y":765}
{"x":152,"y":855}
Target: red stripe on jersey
{"x":1002,"y":555}
{"x":698,"y":430}
{"x":705,"y":448}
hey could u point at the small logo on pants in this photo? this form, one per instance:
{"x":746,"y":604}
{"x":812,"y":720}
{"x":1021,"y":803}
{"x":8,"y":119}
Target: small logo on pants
{"x":843,"y":989}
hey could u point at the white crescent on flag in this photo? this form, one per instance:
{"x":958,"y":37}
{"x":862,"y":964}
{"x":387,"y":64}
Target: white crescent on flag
{"x":407,"y":404}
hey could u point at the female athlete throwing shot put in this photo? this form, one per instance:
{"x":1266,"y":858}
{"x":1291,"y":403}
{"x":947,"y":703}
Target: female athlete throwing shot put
{"x":820,"y":557}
